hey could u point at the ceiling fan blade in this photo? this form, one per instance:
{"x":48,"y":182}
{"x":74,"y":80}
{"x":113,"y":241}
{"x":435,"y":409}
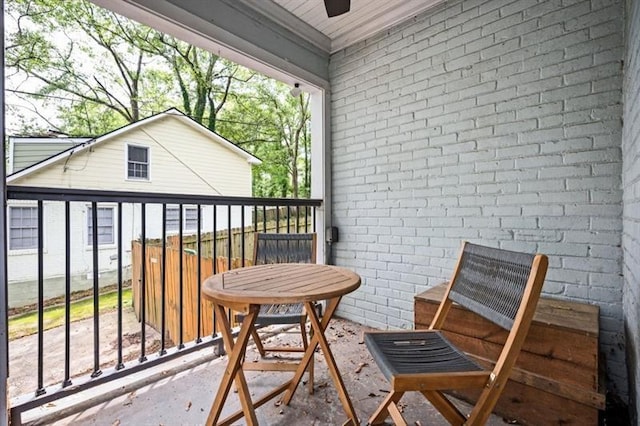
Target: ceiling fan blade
{"x":337,"y":7}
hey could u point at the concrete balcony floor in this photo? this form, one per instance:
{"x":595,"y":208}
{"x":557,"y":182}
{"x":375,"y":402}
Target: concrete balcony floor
{"x":173,"y":397}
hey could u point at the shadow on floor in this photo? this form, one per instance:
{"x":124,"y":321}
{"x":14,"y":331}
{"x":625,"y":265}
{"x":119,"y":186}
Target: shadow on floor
{"x":185,"y":397}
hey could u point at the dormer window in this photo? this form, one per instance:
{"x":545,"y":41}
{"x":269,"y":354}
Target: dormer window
{"x":137,"y":162}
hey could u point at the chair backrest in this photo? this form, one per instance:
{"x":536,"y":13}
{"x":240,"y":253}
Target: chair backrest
{"x":491,"y":282}
{"x":284,"y":248}
{"x":504,"y":287}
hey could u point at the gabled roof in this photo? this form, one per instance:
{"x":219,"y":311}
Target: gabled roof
{"x":90,"y":143}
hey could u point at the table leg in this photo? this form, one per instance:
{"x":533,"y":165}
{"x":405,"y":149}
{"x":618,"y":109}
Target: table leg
{"x":233,"y":370}
{"x":319,"y":338}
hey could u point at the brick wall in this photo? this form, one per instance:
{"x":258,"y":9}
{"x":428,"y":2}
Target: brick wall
{"x":496,"y":122}
{"x":631,"y":187}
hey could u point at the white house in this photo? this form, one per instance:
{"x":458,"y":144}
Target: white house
{"x":165,"y":153}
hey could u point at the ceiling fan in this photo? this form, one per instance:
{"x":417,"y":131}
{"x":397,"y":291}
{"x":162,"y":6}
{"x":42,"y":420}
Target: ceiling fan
{"x":336,"y":7}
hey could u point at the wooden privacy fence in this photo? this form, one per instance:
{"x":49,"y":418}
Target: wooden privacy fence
{"x":238,"y":237}
{"x":172,"y":284}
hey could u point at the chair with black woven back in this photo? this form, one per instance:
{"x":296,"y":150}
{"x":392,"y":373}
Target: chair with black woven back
{"x":501,"y":286}
{"x":282,"y":248}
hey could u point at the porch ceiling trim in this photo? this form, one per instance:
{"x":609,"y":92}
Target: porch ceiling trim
{"x":234,"y":31}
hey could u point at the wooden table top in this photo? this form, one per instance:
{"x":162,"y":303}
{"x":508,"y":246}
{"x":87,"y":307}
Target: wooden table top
{"x":280,"y":283}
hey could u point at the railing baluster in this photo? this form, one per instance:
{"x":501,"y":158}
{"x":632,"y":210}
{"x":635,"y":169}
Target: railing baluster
{"x":264,"y":218}
{"x":214,"y":255}
{"x":96,"y":291}
{"x":199,"y":324}
{"x":67,"y":295}
{"x":288,"y":219}
{"x":40,"y":390}
{"x":143,"y":282}
{"x":163,"y":283}
{"x":242,"y":235}
{"x":255,"y":219}
{"x":119,"y":363}
{"x":306,"y":218}
{"x":214,"y":248}
{"x":277,"y":218}
{"x":230,"y":234}
{"x":313,"y":216}
{"x":180,"y":279}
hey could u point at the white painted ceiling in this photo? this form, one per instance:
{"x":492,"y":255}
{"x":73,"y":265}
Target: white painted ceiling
{"x":308,"y":18}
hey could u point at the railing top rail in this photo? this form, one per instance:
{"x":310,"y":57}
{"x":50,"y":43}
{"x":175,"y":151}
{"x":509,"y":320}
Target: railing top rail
{"x":88,"y":195}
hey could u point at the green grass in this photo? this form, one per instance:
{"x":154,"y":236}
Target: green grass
{"x":27,"y":323}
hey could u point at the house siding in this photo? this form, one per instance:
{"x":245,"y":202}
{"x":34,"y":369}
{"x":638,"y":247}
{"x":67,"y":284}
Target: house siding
{"x":491,"y":121}
{"x":27,"y":153}
{"x":175,"y":166}
{"x":631,"y":215}
{"x":183,"y":160}
{"x":22,"y":265}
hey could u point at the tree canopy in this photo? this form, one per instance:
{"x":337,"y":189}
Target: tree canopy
{"x":84,"y":71}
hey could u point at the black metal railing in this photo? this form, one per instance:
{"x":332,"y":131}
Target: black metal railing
{"x":216,"y":216}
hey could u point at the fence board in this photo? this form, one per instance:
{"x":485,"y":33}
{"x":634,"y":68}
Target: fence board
{"x":189,"y":284}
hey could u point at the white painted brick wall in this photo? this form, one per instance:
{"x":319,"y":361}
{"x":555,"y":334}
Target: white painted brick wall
{"x":631,"y":215}
{"x":495,"y":121}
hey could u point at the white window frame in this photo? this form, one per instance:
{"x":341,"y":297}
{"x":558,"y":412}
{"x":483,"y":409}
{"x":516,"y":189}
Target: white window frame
{"x":189,"y":223}
{"x":127,"y":161}
{"x":175,"y":217}
{"x":10,"y":215}
{"x":88,"y":222}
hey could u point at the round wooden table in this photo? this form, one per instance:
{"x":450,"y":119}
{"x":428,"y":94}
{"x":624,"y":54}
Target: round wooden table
{"x":244,"y":290}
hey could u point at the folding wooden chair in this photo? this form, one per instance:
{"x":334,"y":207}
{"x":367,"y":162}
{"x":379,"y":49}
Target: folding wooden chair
{"x":282,"y":248}
{"x":500,"y":285}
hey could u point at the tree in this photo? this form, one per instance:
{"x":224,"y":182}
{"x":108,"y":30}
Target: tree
{"x":203,"y":78}
{"x":274,"y":126}
{"x":45,"y":49}
{"x":101,"y":71}
{"x":99,"y":64}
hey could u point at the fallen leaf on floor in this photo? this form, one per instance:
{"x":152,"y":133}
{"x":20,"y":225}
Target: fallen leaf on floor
{"x":188,"y":406}
{"x":418,"y":423}
{"x":360,"y":366}
{"x":116,"y":423}
{"x":281,"y":412}
{"x":129,"y":399}
{"x":372,"y":395}
{"x":51,"y":404}
{"x":278,"y":403}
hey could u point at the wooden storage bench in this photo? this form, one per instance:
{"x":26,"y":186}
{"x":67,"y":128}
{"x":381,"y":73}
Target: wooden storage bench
{"x":556,"y":378}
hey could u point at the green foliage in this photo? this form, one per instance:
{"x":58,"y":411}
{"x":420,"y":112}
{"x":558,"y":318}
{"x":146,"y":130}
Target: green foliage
{"x":99,"y":71}
{"x":274,"y":126}
{"x":27,"y":323}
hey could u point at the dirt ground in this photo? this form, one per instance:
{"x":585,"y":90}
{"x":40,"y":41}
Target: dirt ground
{"x":23,"y":358}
